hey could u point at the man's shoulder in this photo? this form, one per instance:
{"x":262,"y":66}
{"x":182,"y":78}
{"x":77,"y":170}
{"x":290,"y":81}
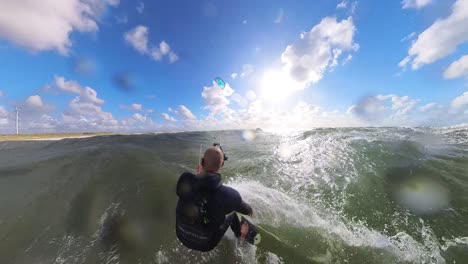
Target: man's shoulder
{"x":185,"y":184}
{"x":186,"y":178}
{"x":228,"y":191}
{"x":186,"y":175}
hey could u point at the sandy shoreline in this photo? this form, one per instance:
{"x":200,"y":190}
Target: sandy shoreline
{"x":49,"y":137}
{"x":57,"y":138}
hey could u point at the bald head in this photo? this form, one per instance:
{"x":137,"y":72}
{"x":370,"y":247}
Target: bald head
{"x":213,"y":160}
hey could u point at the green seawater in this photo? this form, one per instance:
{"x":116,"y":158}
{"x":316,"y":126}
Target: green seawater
{"x":329,"y":195}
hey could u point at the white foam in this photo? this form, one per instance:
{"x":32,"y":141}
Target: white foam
{"x":275,"y":208}
{"x":454,"y":242}
{"x":273,"y":259}
{"x":161,"y":257}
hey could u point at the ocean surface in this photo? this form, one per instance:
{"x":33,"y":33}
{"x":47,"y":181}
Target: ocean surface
{"x":344,"y":195}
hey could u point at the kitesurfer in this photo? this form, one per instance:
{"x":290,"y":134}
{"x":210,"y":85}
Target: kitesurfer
{"x":206,"y":208}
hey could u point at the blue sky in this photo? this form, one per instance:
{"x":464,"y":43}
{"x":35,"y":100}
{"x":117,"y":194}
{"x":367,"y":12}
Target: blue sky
{"x":287,"y":64}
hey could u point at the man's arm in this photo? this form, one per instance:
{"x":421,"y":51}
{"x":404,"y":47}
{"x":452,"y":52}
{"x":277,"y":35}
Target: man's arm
{"x":244,"y":208}
{"x":240,"y":206}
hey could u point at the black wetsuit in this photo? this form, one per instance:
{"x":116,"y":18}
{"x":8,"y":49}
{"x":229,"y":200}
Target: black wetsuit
{"x":205,"y":210}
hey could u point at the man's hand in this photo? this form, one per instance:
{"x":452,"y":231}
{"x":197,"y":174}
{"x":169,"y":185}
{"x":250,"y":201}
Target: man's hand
{"x":244,"y":230}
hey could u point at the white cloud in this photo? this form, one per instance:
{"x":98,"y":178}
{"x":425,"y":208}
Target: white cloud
{"x":3,"y":113}
{"x":138,"y":38}
{"x":47,"y":24}
{"x":348,"y":59}
{"x":336,"y":56}
{"x":3,"y":116}
{"x":306,"y":61}
{"x":34,"y":106}
{"x":158,"y":53}
{"x":101,"y":121}
{"x":299,"y":116}
{"x":440,"y":39}
{"x":139,"y":117}
{"x":244,"y":22}
{"x":457,"y":69}
{"x":42,"y":124}
{"x":236,"y":98}
{"x":2,"y":93}
{"x":185,"y":112}
{"x":90,"y":95}
{"x":67,"y":86}
{"x":319,"y":50}
{"x":280,"y":16}
{"x":385,"y":109}
{"x":352,"y":109}
{"x":173,"y":57}
{"x":31,"y":113}
{"x":80,"y":107}
{"x":136,"y":107}
{"x":110,"y":2}
{"x":244,"y":101}
{"x":410,"y":36}
{"x":429,"y":107}
{"x":132,"y":107}
{"x":418,"y":4}
{"x":401,"y":104}
{"x":140,"y":7}
{"x":404,"y":62}
{"x":216,"y":98}
{"x":460,"y":101}
{"x":85,"y":109}
{"x":342,"y":5}
{"x":164,"y":48}
{"x":251,"y":95}
{"x":167,"y":117}
{"x":247,"y":69}
{"x":352,"y":10}
{"x":34,"y":101}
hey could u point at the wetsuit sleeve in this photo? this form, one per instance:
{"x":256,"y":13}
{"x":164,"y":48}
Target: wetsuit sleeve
{"x":244,"y":208}
{"x":240,"y":206}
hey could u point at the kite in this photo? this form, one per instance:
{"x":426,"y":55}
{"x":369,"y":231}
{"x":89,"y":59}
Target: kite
{"x":220,"y":82}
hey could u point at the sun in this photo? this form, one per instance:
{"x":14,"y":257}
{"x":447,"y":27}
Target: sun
{"x":276,"y":86}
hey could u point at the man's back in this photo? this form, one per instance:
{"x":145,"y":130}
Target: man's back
{"x":201,"y":211}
